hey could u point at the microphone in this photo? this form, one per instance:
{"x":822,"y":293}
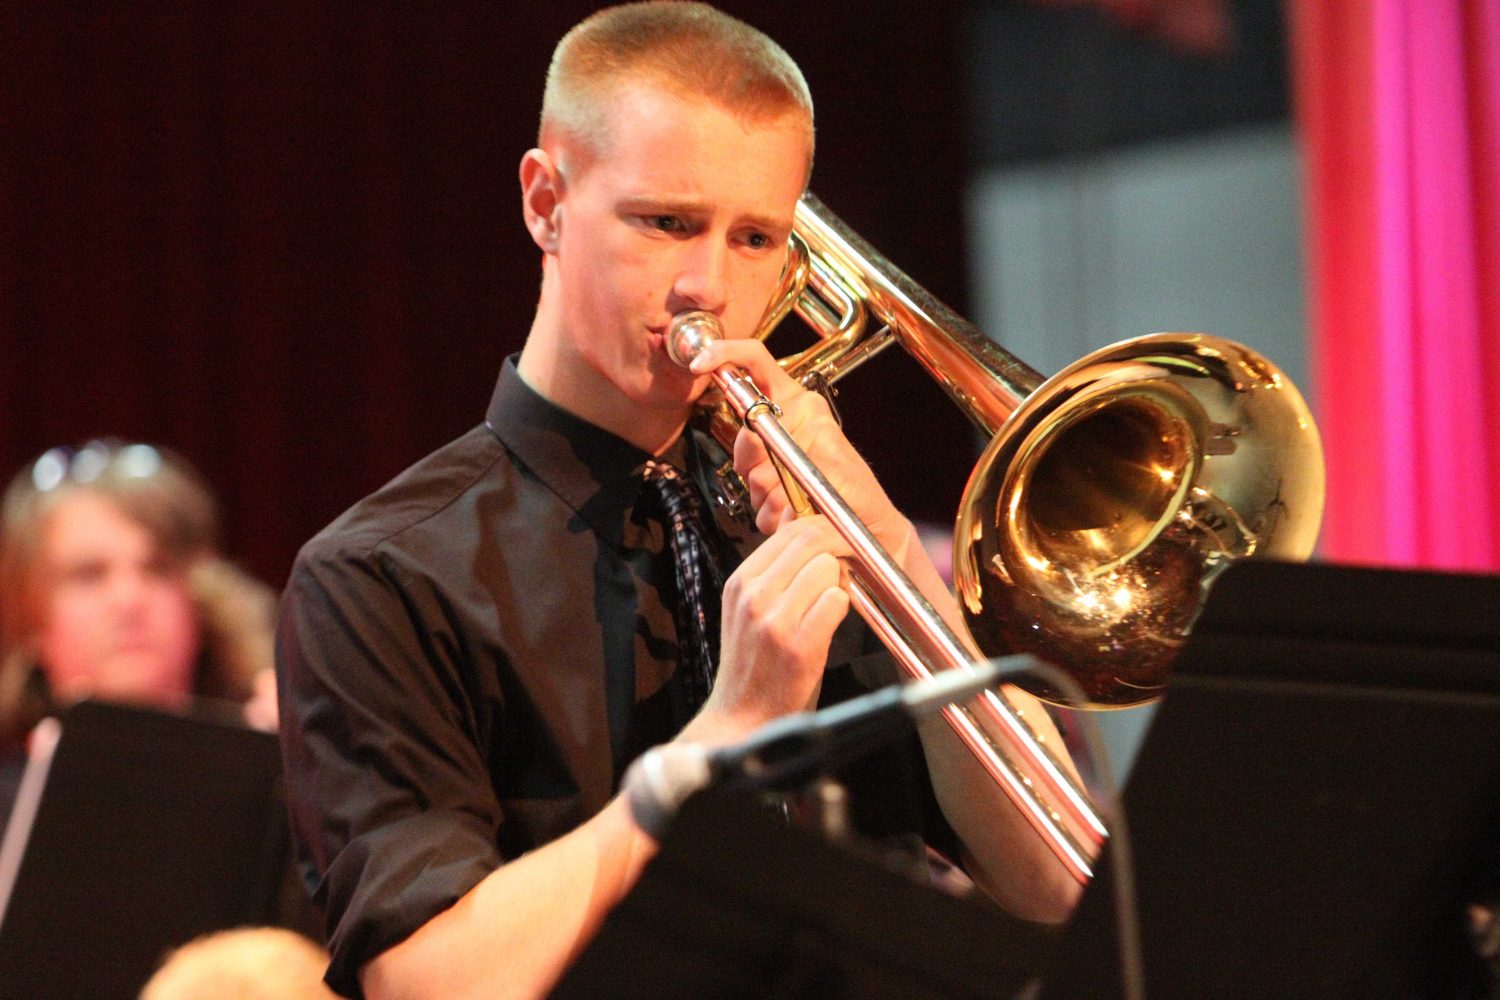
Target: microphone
{"x":789,"y":752}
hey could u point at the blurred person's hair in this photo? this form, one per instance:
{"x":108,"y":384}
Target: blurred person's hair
{"x":249,"y":963}
{"x":162,"y":493}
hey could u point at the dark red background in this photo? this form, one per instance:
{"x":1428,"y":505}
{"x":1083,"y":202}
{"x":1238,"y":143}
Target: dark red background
{"x":288,"y":245}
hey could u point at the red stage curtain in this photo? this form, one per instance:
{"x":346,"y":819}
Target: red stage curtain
{"x":287,"y":243}
{"x":1398,"y":102}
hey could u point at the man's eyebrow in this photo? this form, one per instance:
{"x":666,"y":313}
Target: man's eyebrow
{"x":648,"y":205}
{"x":770,"y":222}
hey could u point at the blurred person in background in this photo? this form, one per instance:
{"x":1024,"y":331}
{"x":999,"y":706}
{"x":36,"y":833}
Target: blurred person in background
{"x":248,"y":963}
{"x":112,"y":587}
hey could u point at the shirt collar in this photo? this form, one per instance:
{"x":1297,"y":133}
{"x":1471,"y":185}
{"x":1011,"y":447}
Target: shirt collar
{"x":575,"y":458}
{"x":595,"y":472}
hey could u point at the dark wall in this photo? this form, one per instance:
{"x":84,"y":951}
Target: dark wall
{"x":288,"y":245}
{"x":1050,"y":80}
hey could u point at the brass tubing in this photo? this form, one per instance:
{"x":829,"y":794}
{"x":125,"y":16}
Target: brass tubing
{"x":1037,"y":785}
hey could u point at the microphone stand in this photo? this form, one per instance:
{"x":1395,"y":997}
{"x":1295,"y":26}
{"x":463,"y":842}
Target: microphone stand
{"x":789,"y":753}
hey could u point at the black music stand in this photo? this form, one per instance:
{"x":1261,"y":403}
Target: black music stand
{"x":142,"y":831}
{"x":737,"y":904}
{"x":1318,"y":797}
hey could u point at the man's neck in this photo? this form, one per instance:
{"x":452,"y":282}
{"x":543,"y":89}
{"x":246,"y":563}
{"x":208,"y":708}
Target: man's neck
{"x":570,"y":387}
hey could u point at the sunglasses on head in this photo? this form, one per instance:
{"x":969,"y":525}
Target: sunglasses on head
{"x":86,"y":464}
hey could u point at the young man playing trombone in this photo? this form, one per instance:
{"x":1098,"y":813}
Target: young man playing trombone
{"x":471,"y":656}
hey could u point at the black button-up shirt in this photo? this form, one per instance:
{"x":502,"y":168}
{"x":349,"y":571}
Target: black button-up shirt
{"x":469,"y":659}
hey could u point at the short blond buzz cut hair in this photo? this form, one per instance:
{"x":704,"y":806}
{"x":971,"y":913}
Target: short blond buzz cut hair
{"x":688,"y":49}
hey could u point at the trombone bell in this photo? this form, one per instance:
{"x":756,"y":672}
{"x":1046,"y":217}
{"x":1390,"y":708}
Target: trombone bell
{"x":1110,"y":496}
{"x":1097,"y":519}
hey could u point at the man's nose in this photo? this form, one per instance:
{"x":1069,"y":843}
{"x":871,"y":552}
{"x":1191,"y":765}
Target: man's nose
{"x":703,"y":280}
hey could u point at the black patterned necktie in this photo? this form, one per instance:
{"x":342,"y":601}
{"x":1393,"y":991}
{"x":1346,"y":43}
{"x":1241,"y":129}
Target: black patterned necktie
{"x":699,"y":577}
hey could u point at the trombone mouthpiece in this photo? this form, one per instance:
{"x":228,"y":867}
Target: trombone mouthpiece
{"x":690,"y":333}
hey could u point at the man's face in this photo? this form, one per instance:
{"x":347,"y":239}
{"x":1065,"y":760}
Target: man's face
{"x":686,"y":206}
{"x":118,"y":621}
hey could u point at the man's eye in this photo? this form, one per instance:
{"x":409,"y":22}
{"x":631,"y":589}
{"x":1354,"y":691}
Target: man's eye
{"x":758,"y":241}
{"x":666,"y":223}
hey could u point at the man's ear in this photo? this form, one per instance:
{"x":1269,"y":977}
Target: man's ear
{"x":541,"y":198}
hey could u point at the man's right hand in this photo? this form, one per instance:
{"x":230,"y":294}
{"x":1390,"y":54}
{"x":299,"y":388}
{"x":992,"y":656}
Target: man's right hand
{"x":780,"y":610}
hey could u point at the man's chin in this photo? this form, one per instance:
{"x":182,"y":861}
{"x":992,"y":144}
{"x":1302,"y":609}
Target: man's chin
{"x":674,"y":385}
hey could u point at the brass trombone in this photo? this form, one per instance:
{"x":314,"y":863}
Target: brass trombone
{"x":1108,"y":499}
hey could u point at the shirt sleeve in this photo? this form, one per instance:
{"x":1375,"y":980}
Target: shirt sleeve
{"x":390,"y":797}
